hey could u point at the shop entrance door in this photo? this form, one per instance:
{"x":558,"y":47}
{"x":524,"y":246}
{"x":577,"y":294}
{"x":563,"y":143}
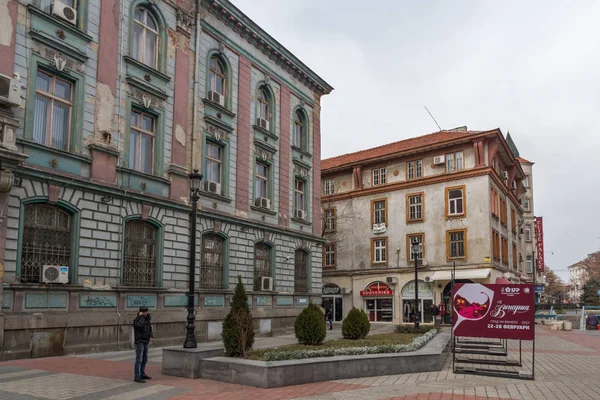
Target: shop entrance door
{"x":334,"y":303}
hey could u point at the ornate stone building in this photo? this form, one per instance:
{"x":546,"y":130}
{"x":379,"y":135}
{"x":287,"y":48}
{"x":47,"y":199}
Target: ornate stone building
{"x":117,"y":101}
{"x":458,"y":193}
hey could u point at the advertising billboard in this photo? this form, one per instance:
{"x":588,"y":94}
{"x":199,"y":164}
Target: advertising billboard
{"x":501,"y":311}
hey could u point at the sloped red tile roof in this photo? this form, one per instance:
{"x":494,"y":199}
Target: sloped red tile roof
{"x":522,"y":160}
{"x":396,"y":147}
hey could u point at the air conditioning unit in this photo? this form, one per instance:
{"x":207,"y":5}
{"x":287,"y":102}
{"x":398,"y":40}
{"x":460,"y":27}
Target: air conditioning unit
{"x":63,"y":11}
{"x":439,"y":160}
{"x":423,"y":262}
{"x":55,"y":274}
{"x":213,"y":187}
{"x":9,"y":91}
{"x":391,"y":279}
{"x":266,"y":284}
{"x":427,"y":279}
{"x":263,"y":123}
{"x":216,"y":97}
{"x":300,"y":214}
{"x":262,"y":202}
{"x":514,"y":185}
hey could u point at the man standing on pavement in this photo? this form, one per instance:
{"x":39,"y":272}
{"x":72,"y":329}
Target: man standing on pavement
{"x":142,"y":331}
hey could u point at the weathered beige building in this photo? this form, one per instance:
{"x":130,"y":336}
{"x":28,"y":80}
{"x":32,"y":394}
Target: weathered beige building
{"x":457,"y":192}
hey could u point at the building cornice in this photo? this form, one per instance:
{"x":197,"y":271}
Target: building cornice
{"x":255,"y":35}
{"x":413,"y":183}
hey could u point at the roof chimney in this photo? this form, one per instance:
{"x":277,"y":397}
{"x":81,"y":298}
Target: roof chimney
{"x":459,"y":129}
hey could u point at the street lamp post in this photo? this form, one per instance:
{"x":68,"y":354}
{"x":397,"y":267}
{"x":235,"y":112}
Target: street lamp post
{"x":190,"y":337}
{"x":415,"y":251}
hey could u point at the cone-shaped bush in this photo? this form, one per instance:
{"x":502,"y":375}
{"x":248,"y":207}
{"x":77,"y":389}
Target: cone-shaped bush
{"x":356,"y":325}
{"x":310,"y":326}
{"x":238,"y":334}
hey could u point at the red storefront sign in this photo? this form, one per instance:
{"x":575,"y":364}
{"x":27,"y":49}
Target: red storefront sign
{"x":377,"y":289}
{"x":539,"y":237}
{"x":500,"y":311}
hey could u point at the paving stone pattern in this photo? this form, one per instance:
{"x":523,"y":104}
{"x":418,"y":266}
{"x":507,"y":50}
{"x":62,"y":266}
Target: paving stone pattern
{"x":566,"y":368}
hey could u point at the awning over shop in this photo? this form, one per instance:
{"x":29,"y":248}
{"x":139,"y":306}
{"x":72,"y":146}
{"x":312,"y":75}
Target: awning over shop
{"x":480,"y":273}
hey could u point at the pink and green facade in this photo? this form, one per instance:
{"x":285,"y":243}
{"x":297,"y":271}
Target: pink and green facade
{"x":117,"y":107}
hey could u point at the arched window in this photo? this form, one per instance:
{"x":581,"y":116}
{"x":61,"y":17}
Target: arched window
{"x":264,"y":108}
{"x":139,"y":259}
{"x":46,"y":240}
{"x":217,"y":78}
{"x":145,"y":37}
{"x":299,"y":130}
{"x":212,"y":268}
{"x":262,"y":264}
{"x":300,"y":271}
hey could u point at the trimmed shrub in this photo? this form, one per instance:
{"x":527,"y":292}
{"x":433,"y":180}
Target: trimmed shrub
{"x":415,"y":345}
{"x":238,"y":333}
{"x":410,"y":328}
{"x":310,"y":326}
{"x":356,"y":325}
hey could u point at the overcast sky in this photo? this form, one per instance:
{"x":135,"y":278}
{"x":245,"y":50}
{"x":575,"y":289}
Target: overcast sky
{"x":528,"y":67}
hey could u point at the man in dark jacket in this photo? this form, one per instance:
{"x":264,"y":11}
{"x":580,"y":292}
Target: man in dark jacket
{"x":142,"y":331}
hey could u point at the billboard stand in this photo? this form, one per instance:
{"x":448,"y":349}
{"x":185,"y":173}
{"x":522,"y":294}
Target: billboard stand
{"x":484,"y":318}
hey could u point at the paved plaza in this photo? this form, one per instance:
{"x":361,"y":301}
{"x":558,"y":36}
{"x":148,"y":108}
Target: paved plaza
{"x":567,"y":365}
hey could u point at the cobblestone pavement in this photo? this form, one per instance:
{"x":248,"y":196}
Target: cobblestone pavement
{"x":567,"y":365}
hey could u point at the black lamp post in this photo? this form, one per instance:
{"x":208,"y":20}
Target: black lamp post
{"x":190,"y":337}
{"x":416,"y":246}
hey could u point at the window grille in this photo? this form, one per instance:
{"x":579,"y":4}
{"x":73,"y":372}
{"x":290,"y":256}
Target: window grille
{"x":262,"y":264}
{"x":211,"y":272}
{"x":300,"y":271}
{"x":46,"y":240}
{"x":139,"y":261}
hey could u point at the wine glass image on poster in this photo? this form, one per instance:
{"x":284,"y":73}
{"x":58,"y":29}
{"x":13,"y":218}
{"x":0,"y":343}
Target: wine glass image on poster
{"x":472,"y":302}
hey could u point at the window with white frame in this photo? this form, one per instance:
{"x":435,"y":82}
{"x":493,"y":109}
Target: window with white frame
{"x":145,"y":37}
{"x":529,"y":263}
{"x":264,"y":108}
{"x":454,"y":161}
{"x":526,"y":205}
{"x":379,"y":176}
{"x":455,"y":198}
{"x":329,"y":186}
{"x":414,"y":169}
{"x":415,"y":207}
{"x":419,"y":239}
{"x":213,"y":163}
{"x":528,"y":232}
{"x":53,"y":108}
{"x":380,"y":250}
{"x":526,"y":181}
{"x":379,"y":212}
{"x":217,"y":76}
{"x":299,"y":186}
{"x":142,"y":131}
{"x":261,"y":181}
{"x":299,"y":130}
{"x":330,"y":254}
{"x":330,"y":220}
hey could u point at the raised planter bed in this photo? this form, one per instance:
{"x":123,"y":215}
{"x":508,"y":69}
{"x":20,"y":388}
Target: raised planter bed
{"x":271,"y":374}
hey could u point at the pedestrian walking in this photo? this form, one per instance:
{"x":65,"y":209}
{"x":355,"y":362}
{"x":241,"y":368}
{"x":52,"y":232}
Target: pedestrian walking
{"x":329,"y":317}
{"x":142,"y":331}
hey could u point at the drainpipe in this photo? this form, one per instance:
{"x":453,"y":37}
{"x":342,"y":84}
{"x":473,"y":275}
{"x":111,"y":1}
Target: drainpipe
{"x":196,"y":80}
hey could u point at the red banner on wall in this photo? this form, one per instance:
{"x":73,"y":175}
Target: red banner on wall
{"x":539,"y":237}
{"x":501,"y":311}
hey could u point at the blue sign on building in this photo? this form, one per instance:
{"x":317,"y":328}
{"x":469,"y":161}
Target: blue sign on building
{"x":539,"y":288}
